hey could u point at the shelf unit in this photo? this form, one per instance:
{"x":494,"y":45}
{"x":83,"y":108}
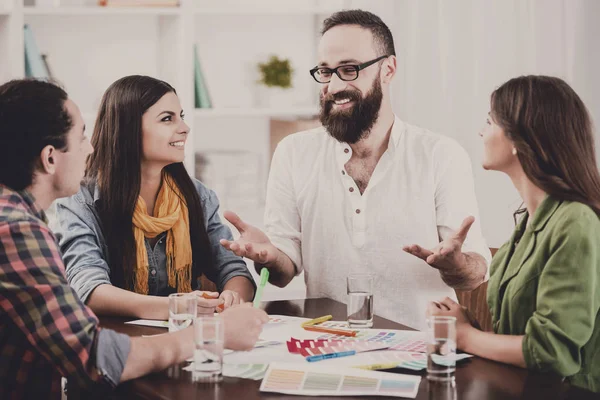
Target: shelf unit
{"x":280,"y":9}
{"x":101,"y":11}
{"x":77,"y":36}
{"x":257,"y":112}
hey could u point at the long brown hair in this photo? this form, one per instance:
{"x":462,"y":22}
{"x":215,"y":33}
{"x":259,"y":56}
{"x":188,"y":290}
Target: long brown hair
{"x":552,"y":132}
{"x":116,"y":166}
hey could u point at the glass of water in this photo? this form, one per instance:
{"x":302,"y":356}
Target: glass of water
{"x":183,"y":308}
{"x":360,"y":300}
{"x":208,"y":353}
{"x":441,"y":348}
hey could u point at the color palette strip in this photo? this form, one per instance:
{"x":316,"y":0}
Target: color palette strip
{"x":325,"y":382}
{"x":411,"y":345}
{"x":397,"y":340}
{"x":296,"y":346}
{"x":316,"y":381}
{"x":282,"y":379}
{"x":359,"y":347}
{"x":355,"y":383}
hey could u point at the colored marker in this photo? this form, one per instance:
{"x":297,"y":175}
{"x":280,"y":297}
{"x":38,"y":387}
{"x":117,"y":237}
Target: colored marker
{"x":316,"y":320}
{"x":330,"y":355}
{"x":378,"y":366}
{"x":333,"y":331}
{"x":264,"y":278}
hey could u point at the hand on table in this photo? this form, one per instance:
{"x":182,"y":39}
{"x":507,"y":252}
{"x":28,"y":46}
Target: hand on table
{"x":243,"y":325}
{"x":208,"y":302}
{"x":230,"y":298}
{"x":464,"y":318}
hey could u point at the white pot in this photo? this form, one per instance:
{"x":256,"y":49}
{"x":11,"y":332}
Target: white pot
{"x":274,"y":97}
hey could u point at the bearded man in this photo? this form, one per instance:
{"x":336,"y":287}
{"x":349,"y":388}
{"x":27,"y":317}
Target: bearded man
{"x":353,"y":195}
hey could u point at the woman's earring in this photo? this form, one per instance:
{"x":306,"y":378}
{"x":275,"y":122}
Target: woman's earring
{"x":514,"y":151}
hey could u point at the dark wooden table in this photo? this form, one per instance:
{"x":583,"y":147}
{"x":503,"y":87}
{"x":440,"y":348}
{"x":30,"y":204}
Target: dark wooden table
{"x":476,"y":379}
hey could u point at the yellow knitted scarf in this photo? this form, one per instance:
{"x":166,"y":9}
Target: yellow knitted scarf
{"x":170,"y":215}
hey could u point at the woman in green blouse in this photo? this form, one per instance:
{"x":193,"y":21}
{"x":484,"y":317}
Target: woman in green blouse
{"x":544,"y":287}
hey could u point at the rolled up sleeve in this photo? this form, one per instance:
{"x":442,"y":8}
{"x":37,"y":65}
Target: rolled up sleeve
{"x":282,"y":219}
{"x":226,"y":265}
{"x":455,"y":198}
{"x":567,"y":301}
{"x":86,"y":266}
{"x":111,"y":355}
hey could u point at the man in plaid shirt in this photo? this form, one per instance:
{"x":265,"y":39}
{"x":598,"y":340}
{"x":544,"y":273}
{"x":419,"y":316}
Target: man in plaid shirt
{"x":45,"y":330}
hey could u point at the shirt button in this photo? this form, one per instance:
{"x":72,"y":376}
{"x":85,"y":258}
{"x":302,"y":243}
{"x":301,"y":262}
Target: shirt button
{"x":343,"y":172}
{"x":153,"y":272}
{"x":351,"y":189}
{"x":358,"y":211}
{"x":346,"y":151}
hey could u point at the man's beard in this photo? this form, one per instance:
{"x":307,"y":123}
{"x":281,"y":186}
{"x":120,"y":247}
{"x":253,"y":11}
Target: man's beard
{"x":351,"y":125}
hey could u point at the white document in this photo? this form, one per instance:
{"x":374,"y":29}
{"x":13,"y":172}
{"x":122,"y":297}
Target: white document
{"x":150,"y":322}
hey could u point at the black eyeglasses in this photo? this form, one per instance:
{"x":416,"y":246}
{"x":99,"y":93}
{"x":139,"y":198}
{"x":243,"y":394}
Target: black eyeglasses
{"x":344,"y":72}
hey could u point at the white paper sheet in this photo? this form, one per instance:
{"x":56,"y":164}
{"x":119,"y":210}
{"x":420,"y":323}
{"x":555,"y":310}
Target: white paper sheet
{"x":150,"y":322}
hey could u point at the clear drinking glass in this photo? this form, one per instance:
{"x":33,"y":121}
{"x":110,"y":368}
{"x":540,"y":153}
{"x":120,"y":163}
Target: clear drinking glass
{"x":442,"y":390}
{"x":441,"y":348}
{"x":183,"y":309}
{"x":360,"y":300}
{"x":208,"y":353}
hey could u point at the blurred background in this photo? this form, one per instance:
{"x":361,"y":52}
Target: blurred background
{"x":240,"y":68}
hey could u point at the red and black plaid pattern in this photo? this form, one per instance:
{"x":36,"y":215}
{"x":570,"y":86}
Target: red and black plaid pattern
{"x":45,"y":330}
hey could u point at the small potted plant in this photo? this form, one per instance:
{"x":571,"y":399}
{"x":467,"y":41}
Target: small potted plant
{"x":276,"y":79}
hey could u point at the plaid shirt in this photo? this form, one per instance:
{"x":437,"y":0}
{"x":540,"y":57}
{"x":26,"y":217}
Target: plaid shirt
{"x":45,"y":329}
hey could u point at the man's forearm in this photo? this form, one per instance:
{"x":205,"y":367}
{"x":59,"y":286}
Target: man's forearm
{"x":282,"y":271}
{"x":468,"y":275}
{"x":156,"y":353}
{"x":242,"y":286}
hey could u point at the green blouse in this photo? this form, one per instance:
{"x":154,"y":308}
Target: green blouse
{"x":545,"y":284}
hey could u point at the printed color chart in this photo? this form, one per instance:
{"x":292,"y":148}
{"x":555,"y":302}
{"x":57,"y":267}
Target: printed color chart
{"x":396,"y":340}
{"x":303,"y":380}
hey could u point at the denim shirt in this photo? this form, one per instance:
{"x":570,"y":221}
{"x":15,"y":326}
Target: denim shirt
{"x":78,"y":229}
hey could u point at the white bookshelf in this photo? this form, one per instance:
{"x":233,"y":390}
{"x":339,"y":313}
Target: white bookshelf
{"x":89,"y":47}
{"x":287,"y":112}
{"x":280,"y":9}
{"x":101,"y":11}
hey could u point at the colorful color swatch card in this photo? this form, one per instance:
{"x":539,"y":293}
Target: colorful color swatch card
{"x":412,"y":341}
{"x":296,"y":346}
{"x":410,"y":345}
{"x":340,"y":347}
{"x":314,"y":380}
{"x":317,"y":347}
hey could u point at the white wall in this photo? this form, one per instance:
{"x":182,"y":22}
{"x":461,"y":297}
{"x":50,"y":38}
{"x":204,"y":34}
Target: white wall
{"x":452,"y":55}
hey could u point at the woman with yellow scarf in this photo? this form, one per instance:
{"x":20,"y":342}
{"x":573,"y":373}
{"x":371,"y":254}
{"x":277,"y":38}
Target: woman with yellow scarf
{"x":140,"y":228}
